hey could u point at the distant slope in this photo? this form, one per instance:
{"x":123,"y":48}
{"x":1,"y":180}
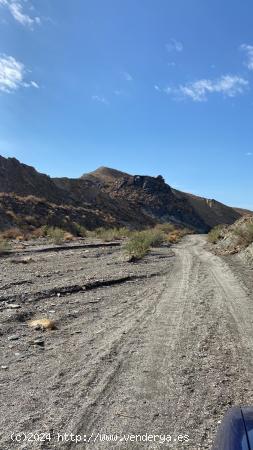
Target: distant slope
{"x":243,"y":212}
{"x":25,"y":180}
{"x":211,"y":211}
{"x":105,"y":197}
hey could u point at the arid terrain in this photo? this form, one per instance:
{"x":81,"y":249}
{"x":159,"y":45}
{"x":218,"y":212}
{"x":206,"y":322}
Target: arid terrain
{"x":163,"y":346}
{"x":103,"y":198}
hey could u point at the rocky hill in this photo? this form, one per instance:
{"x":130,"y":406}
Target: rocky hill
{"x":105,"y":197}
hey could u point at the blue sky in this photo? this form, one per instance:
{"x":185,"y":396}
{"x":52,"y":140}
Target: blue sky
{"x":147,"y":87}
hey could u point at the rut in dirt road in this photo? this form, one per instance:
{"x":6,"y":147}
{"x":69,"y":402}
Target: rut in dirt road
{"x":191,"y":360}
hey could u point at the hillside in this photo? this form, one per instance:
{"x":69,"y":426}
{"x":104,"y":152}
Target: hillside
{"x":105,"y":197}
{"x":233,"y":239}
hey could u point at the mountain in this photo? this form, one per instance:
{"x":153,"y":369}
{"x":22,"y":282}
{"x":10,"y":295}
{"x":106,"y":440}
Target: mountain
{"x":105,"y":197}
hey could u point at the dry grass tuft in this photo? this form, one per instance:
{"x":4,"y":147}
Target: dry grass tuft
{"x":68,"y":237}
{"x":42,"y":324}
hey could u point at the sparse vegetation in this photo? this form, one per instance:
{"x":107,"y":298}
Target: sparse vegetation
{"x":137,"y":247}
{"x":5,"y":247}
{"x":176,"y":235}
{"x":165,"y":227}
{"x":110,"y":234}
{"x":79,"y":230}
{"x":12,"y":233}
{"x":55,"y":234}
{"x":141,"y":242}
{"x":244,"y":234}
{"x":215,"y":234}
{"x":153,"y":237}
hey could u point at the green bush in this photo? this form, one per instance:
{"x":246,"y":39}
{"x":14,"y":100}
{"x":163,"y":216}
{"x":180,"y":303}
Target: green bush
{"x":55,"y":234}
{"x":80,"y":230}
{"x":137,"y":247}
{"x":5,"y":247}
{"x":215,"y":234}
{"x":153,"y":237}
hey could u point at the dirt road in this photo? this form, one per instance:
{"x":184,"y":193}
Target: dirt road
{"x":162,"y":354}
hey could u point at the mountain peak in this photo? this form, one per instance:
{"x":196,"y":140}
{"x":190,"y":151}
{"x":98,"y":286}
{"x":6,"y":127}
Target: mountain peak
{"x":108,"y":172}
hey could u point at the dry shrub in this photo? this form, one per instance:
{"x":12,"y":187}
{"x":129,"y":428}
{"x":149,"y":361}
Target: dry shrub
{"x":12,"y":233}
{"x":177,"y":235}
{"x":68,"y":237}
{"x":244,"y":234}
{"x":37,"y":233}
{"x":215,"y":234}
{"x":42,"y":324}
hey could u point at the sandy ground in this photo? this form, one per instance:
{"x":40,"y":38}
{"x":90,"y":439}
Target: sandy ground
{"x":146,"y":355}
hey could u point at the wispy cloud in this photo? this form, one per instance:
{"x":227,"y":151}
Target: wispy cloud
{"x":248,"y":49}
{"x":198,"y":91}
{"x":127,"y":76}
{"x":100,"y":99}
{"x":174,"y":46}
{"x":249,"y":154}
{"x":34,"y":84}
{"x":12,"y":75}
{"x":119,"y":92}
{"x":16,"y":9}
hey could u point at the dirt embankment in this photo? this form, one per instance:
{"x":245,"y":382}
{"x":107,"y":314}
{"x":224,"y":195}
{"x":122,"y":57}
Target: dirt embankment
{"x":162,"y":347}
{"x":234,"y":239}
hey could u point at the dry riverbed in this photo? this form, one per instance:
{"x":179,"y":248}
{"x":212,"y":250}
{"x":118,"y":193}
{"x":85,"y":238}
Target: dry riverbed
{"x":160,"y":347}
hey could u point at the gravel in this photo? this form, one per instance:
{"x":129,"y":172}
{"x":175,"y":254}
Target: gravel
{"x":163,"y":346}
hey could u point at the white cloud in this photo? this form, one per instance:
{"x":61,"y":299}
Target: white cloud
{"x":100,"y":99}
{"x":12,"y":75}
{"x":249,"y":154}
{"x":198,"y":91}
{"x":157,"y":88}
{"x":16,"y":9}
{"x":174,"y":46}
{"x":248,"y":49}
{"x":127,"y":76}
{"x":34,"y":84}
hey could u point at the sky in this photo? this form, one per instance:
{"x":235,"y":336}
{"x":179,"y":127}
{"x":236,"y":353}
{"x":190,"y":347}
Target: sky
{"x":147,"y":87}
